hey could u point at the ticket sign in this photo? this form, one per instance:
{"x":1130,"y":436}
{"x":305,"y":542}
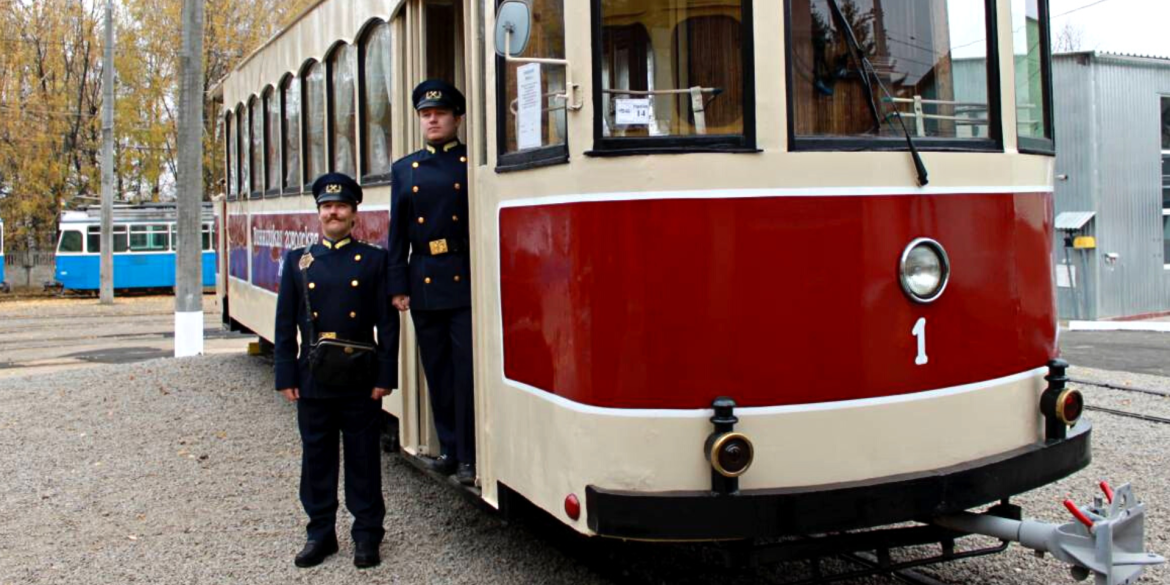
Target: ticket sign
{"x":635,"y":112}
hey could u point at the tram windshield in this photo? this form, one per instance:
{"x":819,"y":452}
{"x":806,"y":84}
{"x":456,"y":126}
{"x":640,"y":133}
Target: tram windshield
{"x":932,"y":57}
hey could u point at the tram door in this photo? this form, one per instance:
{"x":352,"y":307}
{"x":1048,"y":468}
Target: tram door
{"x":431,"y":48}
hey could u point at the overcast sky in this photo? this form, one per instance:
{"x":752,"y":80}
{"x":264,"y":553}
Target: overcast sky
{"x":1118,"y":26}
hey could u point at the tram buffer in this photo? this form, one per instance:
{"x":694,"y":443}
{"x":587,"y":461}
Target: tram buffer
{"x":430,"y":269}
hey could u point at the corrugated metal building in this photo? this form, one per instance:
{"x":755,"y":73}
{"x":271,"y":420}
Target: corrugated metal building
{"x":1111,"y":139}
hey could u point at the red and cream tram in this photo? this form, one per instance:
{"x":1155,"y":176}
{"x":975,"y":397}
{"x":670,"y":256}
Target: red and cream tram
{"x":740,"y":270}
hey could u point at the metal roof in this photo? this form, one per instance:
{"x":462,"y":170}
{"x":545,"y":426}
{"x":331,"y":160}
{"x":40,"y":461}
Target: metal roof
{"x":1073,"y":220}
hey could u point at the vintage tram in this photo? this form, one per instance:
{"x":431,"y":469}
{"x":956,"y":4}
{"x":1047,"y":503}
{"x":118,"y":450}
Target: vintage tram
{"x":741,"y":268}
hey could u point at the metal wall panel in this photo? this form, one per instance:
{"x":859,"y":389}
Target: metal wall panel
{"x":1076,"y":177}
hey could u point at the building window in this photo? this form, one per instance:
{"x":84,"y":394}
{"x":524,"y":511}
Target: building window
{"x":1166,"y":181}
{"x":290,"y":92}
{"x":673,"y":73}
{"x":256,"y":114}
{"x":377,"y":78}
{"x":1033,"y":77}
{"x":272,"y":141}
{"x":314,"y":111}
{"x":534,"y":120}
{"x":341,"y":108}
{"x":229,"y":134}
{"x":931,"y":58}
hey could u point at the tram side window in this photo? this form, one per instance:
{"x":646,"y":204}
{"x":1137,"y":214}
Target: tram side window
{"x":291,"y":133}
{"x":673,"y":70}
{"x":230,"y":152}
{"x":314,"y":112}
{"x":256,"y":115}
{"x":245,"y":138}
{"x":94,"y":239}
{"x":1033,"y":67}
{"x":272,"y":141}
{"x":932,"y":57}
{"x":377,"y":77}
{"x":149,"y":238}
{"x":70,"y":242}
{"x":534,"y":118}
{"x":341,"y":109}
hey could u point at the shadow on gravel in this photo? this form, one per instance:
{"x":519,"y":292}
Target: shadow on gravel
{"x":121,"y":355}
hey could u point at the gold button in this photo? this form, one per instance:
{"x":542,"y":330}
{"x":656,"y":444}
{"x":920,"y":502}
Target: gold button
{"x":314,"y":314}
{"x":456,"y":278}
{"x":352,"y":315}
{"x":357,"y":258}
{"x":354,"y":284}
{"x":414,"y":164}
{"x":427,"y":280}
{"x":422,"y":220}
{"x":454,"y":218}
{"x":416,"y":188}
{"x":312,"y":285}
{"x":462,"y":159}
{"x":457,"y":186}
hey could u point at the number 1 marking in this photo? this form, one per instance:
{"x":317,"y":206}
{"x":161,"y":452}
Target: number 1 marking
{"x":919,"y":331}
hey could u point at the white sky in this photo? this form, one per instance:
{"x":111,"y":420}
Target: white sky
{"x":1117,"y":26}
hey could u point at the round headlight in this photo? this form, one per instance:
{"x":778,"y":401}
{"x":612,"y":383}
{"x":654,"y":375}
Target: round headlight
{"x":924,"y":270}
{"x":731,"y":454}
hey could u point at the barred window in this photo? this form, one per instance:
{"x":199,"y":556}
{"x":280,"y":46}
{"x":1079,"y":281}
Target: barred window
{"x":341,"y":107}
{"x":377,"y":77}
{"x":314,"y":101}
{"x":291,"y":132}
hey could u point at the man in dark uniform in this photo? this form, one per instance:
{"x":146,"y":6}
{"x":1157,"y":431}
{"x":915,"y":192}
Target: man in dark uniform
{"x":430,"y":269}
{"x":345,"y":284}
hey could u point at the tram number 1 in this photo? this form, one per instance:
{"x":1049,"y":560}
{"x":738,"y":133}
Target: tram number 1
{"x":919,"y":332}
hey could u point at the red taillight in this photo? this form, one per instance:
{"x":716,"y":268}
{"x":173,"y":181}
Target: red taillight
{"x":573,"y":506}
{"x":1069,"y":406}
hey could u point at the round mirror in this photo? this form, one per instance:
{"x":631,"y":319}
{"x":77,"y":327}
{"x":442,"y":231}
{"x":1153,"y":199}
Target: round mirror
{"x":514,"y":17}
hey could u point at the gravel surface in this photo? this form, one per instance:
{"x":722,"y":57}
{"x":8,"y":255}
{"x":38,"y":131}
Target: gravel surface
{"x":185,"y":471}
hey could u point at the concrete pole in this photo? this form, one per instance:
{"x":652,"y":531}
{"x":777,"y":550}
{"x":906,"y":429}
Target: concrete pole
{"x":106,"y":269}
{"x":189,"y":256}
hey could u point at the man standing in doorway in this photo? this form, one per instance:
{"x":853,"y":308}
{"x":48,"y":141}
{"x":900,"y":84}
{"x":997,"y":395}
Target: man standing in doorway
{"x":336,"y":290}
{"x":430,"y":269}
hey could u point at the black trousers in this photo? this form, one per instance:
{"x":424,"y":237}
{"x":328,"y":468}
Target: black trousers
{"x":444,"y":337}
{"x":357,"y":421}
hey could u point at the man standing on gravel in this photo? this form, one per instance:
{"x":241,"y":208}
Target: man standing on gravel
{"x":334,"y":291}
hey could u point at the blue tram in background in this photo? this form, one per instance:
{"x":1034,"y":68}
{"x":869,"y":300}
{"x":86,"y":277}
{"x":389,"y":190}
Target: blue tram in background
{"x":145,"y":240}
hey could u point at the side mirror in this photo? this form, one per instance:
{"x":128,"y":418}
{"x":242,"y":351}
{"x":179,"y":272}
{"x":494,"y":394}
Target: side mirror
{"x":513,"y":17}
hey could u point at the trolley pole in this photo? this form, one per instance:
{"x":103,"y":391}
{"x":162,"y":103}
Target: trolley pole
{"x":106,"y":292}
{"x":189,"y":255}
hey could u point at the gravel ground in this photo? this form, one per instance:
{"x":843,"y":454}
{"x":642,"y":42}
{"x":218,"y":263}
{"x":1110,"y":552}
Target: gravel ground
{"x":185,"y":471}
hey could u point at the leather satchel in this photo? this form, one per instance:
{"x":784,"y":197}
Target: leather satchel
{"x":336,"y":362}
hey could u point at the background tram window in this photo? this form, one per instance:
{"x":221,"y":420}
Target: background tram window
{"x":657,"y":54}
{"x":314,"y":123}
{"x":272,"y":140}
{"x":94,"y":239}
{"x":149,"y":238}
{"x":547,"y":42}
{"x":256,"y":113}
{"x":70,"y":242}
{"x":343,"y":120}
{"x":932,"y":56}
{"x":206,"y":236}
{"x":376,"y":83}
{"x":291,"y":133}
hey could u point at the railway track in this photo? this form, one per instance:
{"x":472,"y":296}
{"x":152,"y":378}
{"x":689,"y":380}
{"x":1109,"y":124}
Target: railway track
{"x":1125,"y":413}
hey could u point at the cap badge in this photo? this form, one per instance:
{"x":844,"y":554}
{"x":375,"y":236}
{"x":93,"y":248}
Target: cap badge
{"x":333,"y":189}
{"x":434,"y":95}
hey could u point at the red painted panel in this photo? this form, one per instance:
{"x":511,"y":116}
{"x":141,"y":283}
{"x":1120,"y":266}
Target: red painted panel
{"x":772,"y":301}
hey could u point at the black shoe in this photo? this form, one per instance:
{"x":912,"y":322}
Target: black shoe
{"x":365,"y":555}
{"x":466,"y":474}
{"x":315,"y":552}
{"x":443,"y":464}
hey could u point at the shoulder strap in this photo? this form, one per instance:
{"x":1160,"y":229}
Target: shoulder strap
{"x":305,"y":295}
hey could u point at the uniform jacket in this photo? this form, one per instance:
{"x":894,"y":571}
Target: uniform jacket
{"x":429,"y":206}
{"x":347,"y":290}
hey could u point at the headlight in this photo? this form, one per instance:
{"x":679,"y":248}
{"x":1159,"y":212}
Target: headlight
{"x":730,"y":454}
{"x":924,"y":270}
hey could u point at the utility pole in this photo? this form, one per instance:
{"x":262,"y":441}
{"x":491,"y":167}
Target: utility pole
{"x":189,"y":256}
{"x":107,"y":234}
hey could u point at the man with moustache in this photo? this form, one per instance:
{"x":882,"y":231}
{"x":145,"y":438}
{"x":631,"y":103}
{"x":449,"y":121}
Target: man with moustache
{"x":430,"y":269}
{"x":336,"y":290}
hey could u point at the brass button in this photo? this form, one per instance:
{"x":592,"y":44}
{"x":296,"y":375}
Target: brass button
{"x":454,"y":218}
{"x":314,"y":314}
{"x":414,"y":164}
{"x":456,"y":278}
{"x":357,"y":258}
{"x":416,"y":188}
{"x":354,"y":284}
{"x":312,"y":285}
{"x":352,"y":315}
{"x":427,"y":280}
{"x":457,"y":186}
{"x":462,"y":159}
{"x":422,"y":220}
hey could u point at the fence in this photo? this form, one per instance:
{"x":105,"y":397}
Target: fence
{"x":28,"y":268}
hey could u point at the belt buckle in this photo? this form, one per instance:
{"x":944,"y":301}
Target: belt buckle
{"x":327,"y":335}
{"x":438,"y":247}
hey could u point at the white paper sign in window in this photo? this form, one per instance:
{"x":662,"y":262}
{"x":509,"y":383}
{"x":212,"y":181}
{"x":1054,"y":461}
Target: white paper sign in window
{"x":632,"y":111}
{"x":528,"y":106}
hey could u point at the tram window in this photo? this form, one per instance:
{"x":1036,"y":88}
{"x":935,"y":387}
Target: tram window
{"x":673,"y":72}
{"x":535,"y":133}
{"x":376,"y":79}
{"x":149,"y":238}
{"x":70,"y":242}
{"x":932,"y":57}
{"x":256,"y":115}
{"x":272,"y":141}
{"x":291,"y":133}
{"x":94,"y":239}
{"x":229,"y":133}
{"x":243,"y":139}
{"x":341,"y":109}
{"x":1033,"y":67}
{"x":206,"y":236}
{"x":314,"y":111}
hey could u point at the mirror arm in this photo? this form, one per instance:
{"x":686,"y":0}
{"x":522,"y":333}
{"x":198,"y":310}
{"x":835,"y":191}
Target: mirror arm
{"x":571,"y":89}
